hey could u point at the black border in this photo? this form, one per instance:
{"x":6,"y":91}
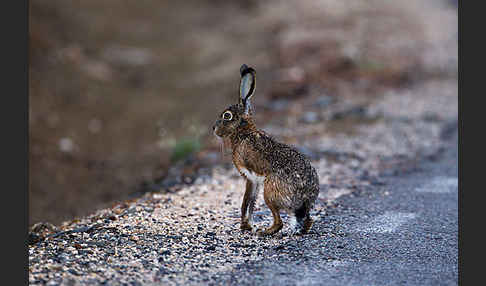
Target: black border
{"x":15,"y":87}
{"x":463,"y":192}
{"x":461,"y":188}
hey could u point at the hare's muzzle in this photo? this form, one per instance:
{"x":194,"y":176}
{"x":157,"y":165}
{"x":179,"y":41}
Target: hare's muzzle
{"x":215,"y":127}
{"x":219,"y":128}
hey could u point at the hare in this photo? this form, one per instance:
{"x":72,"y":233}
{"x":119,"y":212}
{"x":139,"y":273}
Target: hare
{"x":289,"y":181}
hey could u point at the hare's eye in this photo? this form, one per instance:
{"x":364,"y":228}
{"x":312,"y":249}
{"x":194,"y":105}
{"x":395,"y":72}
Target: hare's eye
{"x":227,"y":115}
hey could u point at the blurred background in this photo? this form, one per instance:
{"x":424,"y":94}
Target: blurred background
{"x":123,"y":94}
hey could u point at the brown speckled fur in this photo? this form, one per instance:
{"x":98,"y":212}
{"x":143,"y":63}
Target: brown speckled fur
{"x":289,"y":181}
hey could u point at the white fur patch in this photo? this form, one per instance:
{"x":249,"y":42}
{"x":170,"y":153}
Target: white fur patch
{"x":254,"y":178}
{"x":293,"y":223}
{"x":257,"y":182}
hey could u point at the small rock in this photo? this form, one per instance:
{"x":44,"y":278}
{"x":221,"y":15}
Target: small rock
{"x":310,"y":117}
{"x":323,"y":101}
{"x":66,"y":145}
{"x":33,"y":238}
{"x":278,"y":104}
{"x":165,"y":252}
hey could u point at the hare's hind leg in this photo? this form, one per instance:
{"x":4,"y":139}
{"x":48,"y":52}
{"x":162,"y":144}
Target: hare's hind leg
{"x":307,"y":225}
{"x":304,"y":221}
{"x":277,"y":221}
{"x":271,"y":199}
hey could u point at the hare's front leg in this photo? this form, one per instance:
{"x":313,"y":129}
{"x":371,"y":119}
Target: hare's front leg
{"x":248,"y":205}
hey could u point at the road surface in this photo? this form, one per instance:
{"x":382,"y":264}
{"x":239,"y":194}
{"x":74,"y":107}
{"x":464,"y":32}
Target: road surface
{"x":404,"y":232}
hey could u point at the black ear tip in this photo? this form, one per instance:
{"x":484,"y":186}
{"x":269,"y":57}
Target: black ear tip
{"x":244,"y":69}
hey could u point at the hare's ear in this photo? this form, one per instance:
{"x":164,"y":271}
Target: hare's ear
{"x":247,"y":86}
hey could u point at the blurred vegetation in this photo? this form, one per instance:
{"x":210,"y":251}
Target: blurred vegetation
{"x":184,"y":148}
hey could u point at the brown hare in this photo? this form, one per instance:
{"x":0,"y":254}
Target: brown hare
{"x":289,"y":181}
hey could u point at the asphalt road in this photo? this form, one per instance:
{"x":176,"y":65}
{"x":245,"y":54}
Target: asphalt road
{"x":401,"y":232}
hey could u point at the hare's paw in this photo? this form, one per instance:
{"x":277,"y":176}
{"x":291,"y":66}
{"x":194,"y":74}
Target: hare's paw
{"x":245,"y":225}
{"x":302,"y":228}
{"x":265,"y":232}
{"x":307,"y":225}
{"x":261,"y":232}
{"x":269,"y":231}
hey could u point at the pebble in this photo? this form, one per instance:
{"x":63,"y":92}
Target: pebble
{"x":324,"y":101}
{"x":310,"y":117}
